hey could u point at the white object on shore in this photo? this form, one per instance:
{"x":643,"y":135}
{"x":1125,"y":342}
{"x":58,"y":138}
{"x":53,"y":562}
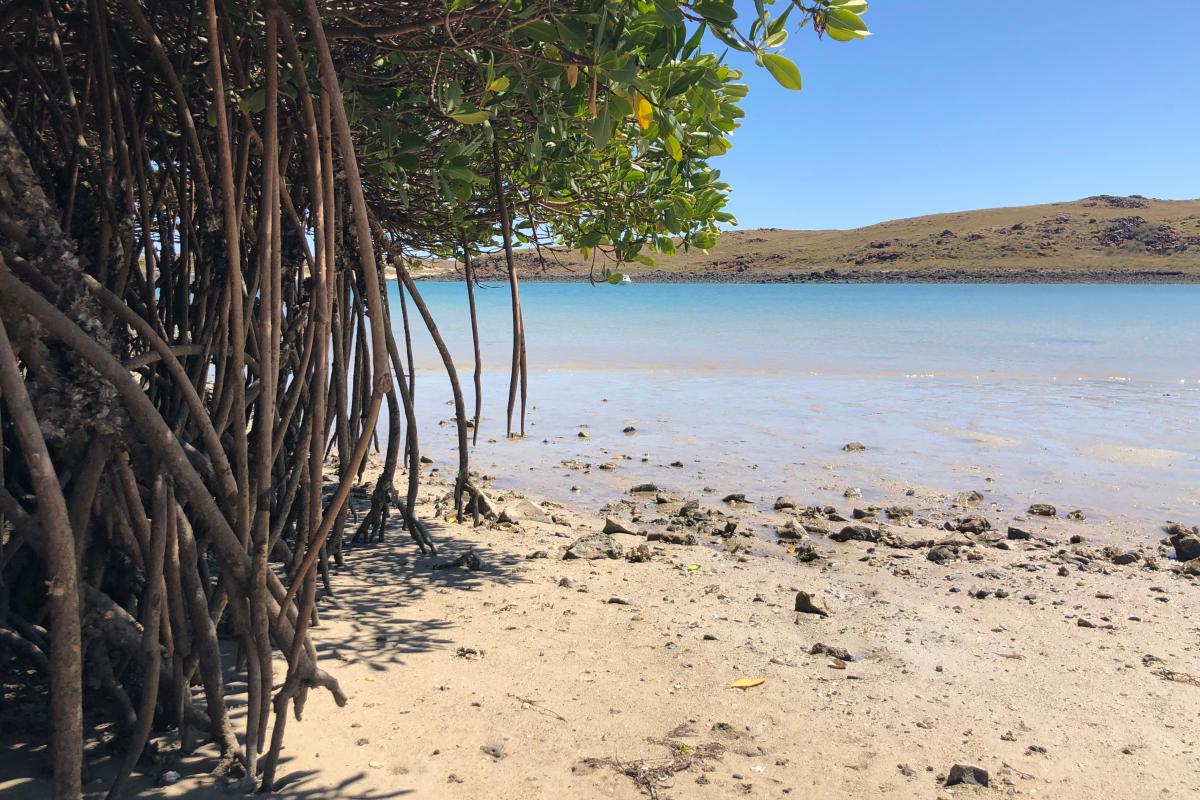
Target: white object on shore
{"x":626,"y":279}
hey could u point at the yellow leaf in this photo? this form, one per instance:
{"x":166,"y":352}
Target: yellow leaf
{"x":693,"y":567}
{"x":643,"y":111}
{"x":747,"y":683}
{"x":572,"y":75}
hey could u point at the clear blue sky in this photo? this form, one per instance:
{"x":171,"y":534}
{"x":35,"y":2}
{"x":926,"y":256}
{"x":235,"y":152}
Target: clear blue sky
{"x":954,"y":105}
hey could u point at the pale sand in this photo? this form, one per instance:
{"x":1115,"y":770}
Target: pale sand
{"x":561,"y":675}
{"x":1158,"y":458}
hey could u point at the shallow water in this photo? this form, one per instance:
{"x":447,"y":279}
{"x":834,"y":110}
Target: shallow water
{"x":1084,"y":396}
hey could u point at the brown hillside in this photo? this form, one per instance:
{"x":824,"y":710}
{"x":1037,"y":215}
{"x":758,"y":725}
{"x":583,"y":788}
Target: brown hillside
{"x":1107,"y":237}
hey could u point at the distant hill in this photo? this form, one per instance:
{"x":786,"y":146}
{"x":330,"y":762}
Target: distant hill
{"x":1106,"y":238}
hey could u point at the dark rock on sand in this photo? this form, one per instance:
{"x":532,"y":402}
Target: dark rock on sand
{"x":810,"y":603}
{"x":854,"y":447}
{"x":1076,"y":515}
{"x":1126,"y":558}
{"x":942,"y":553}
{"x":967,"y":775}
{"x":789,"y":531}
{"x":824,"y":649}
{"x":1043,"y":510}
{"x":736,"y":497}
{"x":1185,"y":542}
{"x":1015,"y":533}
{"x":972,"y":524}
{"x":593,"y":546}
{"x":857,"y":533}
{"x":784,"y":503}
{"x":644,"y":488}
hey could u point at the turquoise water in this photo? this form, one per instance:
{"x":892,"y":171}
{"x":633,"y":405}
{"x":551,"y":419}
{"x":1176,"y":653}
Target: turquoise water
{"x":1088,"y":396}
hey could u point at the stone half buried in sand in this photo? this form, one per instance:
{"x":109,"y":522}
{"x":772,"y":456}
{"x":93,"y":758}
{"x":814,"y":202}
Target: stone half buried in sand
{"x":614,"y":525}
{"x":593,"y":546}
{"x":811,"y":603}
{"x":967,"y":775}
{"x":523,"y":511}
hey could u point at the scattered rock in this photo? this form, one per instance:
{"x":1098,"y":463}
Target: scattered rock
{"x":854,"y":447}
{"x":169,"y":778}
{"x":1077,"y":539}
{"x":1186,"y":544}
{"x":523,"y":510}
{"x":942,"y":553}
{"x":784,"y":503}
{"x":487,"y":508}
{"x":1018,"y":533}
{"x":495,"y":750}
{"x":593,"y":546}
{"x":644,"y":488}
{"x":836,"y":652}
{"x":629,"y":429}
{"x":1127,"y":558}
{"x":1076,"y":515}
{"x":671,"y":537}
{"x":618,"y":601}
{"x":790,"y":531}
{"x":612,"y":525}
{"x":808,"y":603}
{"x":858,"y":533}
{"x":537,"y":554}
{"x":967,"y":775}
{"x":852,"y":492}
{"x":1084,"y":623}
{"x":736,"y":497}
{"x":972,"y":524}
{"x":968,"y":498}
{"x":566,"y":583}
{"x":639,"y":554}
{"x":584,"y":435}
{"x":1043,"y":510}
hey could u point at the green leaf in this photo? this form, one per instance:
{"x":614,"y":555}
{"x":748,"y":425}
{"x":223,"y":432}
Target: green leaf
{"x":846,"y":20}
{"x":471,"y":117}
{"x":668,"y":11}
{"x":499,"y":85}
{"x":853,"y":6}
{"x":615,"y":278}
{"x":256,"y":101}
{"x":784,"y":71}
{"x":718,"y":12}
{"x":674,"y":148}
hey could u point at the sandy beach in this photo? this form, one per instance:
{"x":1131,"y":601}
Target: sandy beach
{"x":1048,"y":652}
